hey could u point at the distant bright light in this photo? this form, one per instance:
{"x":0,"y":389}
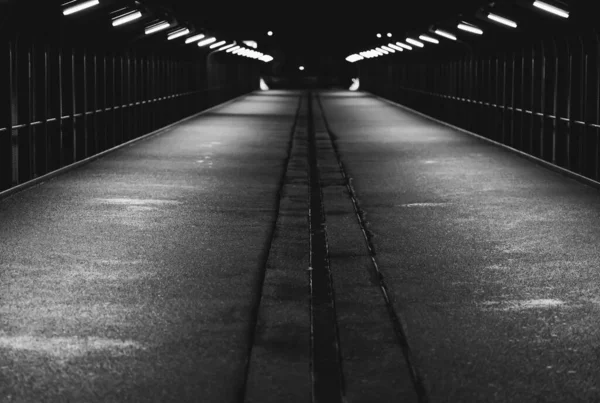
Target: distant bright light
{"x":428,"y":39}
{"x":178,"y":33}
{"x":266,"y":58}
{"x":270,"y":33}
{"x":445,"y":34}
{"x":551,"y":9}
{"x":207,"y":41}
{"x":227,"y":46}
{"x":301,"y":68}
{"x":354,"y":58}
{"x":157,"y":27}
{"x":414,"y":42}
{"x":470,"y":28}
{"x":502,"y":20}
{"x":194,"y":38}
{"x":388,"y":49}
{"x":80,"y":6}
{"x":385,"y":52}
{"x":404,"y":45}
{"x":217,"y":44}
{"x":379,"y":35}
{"x":263,"y":85}
{"x":232,"y":49}
{"x":355,"y":84}
{"x":124,"y":19}
{"x":389,"y":34}
{"x":398,"y":48}
{"x":251,"y":44}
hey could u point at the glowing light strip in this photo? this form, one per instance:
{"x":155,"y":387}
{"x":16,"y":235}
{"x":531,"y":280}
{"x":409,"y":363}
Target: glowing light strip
{"x":403,"y":45}
{"x":428,"y":39}
{"x":134,"y":15}
{"x":551,"y":9}
{"x":194,"y":38}
{"x":233,"y":49}
{"x":81,"y":6}
{"x":388,"y":49}
{"x":157,"y":27}
{"x":207,"y":41}
{"x":398,"y":48}
{"x":217,"y":44}
{"x":227,"y":46}
{"x":382,"y":50}
{"x":413,"y":42}
{"x":502,"y":20}
{"x":470,"y":28}
{"x":177,"y":34}
{"x":445,"y":34}
{"x":354,"y":58}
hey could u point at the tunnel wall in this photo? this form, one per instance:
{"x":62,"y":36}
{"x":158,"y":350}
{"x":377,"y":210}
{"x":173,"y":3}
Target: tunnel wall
{"x":538,"y":96}
{"x":65,"y":100}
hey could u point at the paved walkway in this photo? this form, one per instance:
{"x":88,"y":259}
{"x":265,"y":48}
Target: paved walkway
{"x":281,"y":249}
{"x":492,"y":261}
{"x":134,"y":278}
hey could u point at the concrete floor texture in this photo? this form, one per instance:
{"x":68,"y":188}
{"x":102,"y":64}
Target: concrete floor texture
{"x":177,"y":269}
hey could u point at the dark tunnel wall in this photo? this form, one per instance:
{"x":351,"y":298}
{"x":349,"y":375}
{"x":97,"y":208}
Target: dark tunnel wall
{"x":538,"y":95}
{"x":64,"y":100}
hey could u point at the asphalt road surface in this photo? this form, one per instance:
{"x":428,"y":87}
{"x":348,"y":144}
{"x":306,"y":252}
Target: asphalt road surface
{"x":294,"y":247}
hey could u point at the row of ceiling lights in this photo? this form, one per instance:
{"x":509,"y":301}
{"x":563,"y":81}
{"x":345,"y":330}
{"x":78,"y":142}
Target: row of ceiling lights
{"x":200,"y":39}
{"x":463,"y":25}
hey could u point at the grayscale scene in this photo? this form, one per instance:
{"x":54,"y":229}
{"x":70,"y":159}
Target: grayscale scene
{"x":299,"y":202}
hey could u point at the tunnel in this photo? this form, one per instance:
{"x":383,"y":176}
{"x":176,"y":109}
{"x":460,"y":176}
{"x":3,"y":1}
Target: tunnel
{"x":299,"y":202}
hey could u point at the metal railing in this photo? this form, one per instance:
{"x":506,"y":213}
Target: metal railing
{"x":542,"y":99}
{"x":62,"y":106}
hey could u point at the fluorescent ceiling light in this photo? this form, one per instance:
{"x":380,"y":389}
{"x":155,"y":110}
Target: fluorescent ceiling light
{"x":227,"y":46}
{"x":502,"y":20}
{"x":133,"y":15}
{"x":194,"y":38}
{"x":388,"y":49}
{"x":178,"y":33}
{"x":413,"y":42}
{"x":81,"y":6}
{"x":157,"y":27}
{"x":445,"y":34}
{"x":354,"y":58}
{"x":207,"y":41}
{"x":233,"y":49}
{"x":551,"y":9}
{"x":404,"y":45}
{"x":398,"y":48}
{"x":266,"y":58}
{"x":382,"y":50}
{"x":470,"y":28}
{"x":428,"y":39}
{"x":217,"y":44}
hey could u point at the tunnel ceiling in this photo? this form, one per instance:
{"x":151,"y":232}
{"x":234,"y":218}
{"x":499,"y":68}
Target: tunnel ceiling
{"x":305,"y":32}
{"x":309,"y":29}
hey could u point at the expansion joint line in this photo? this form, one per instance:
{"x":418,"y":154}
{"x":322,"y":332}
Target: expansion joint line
{"x":326,"y":363}
{"x":260,"y":286}
{"x":399,"y":326}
